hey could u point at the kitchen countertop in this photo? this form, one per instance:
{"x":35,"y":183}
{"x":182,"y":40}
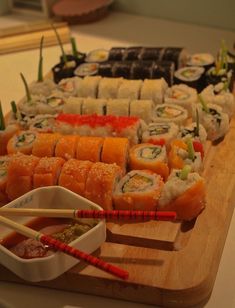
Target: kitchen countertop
{"x":118,"y":29}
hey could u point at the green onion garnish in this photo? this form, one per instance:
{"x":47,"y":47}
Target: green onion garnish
{"x":26,"y":88}
{"x":40,"y":70}
{"x":197,"y":124}
{"x":14,"y":108}
{"x":74,"y":46}
{"x":60,"y":44}
{"x":184,"y":172}
{"x":191,"y":152}
{"x":2,"y":122}
{"x":204,"y":105}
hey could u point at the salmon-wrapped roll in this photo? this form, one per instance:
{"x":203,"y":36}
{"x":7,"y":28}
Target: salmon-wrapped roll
{"x":4,"y":163}
{"x":20,"y":175}
{"x":74,"y":175}
{"x":89,"y":148}
{"x":5,"y":136}
{"x":47,"y":171}
{"x":66,"y":147}
{"x":22,"y":142}
{"x":151,"y":157}
{"x":101,"y":183}
{"x":45,"y":144}
{"x":115,"y":150}
{"x":183,"y":193}
{"x":138,"y":190}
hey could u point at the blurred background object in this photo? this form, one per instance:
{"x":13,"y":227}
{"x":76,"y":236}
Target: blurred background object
{"x":36,"y":7}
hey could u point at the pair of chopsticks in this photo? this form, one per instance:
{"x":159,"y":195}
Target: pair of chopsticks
{"x":96,"y":214}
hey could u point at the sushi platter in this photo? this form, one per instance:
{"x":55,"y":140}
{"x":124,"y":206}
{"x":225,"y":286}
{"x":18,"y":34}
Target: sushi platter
{"x":132,"y":129}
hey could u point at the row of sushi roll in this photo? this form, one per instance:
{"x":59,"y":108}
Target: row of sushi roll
{"x":104,"y":184}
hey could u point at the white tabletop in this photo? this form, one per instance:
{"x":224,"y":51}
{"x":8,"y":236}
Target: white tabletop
{"x":117,"y":29}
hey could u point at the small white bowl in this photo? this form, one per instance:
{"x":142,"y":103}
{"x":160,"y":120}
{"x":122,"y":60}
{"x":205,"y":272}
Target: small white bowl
{"x":50,"y":267}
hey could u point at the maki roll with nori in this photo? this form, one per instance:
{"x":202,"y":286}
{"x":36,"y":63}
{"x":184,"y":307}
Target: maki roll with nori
{"x":195,"y":131}
{"x":178,"y":55}
{"x":192,"y":76}
{"x":86,"y":69}
{"x":122,"y":69}
{"x":132,"y":53}
{"x":141,"y":70}
{"x":105,"y":69}
{"x":164,"y":69}
{"x":116,"y":53}
{"x":151,"y":53}
{"x":97,"y":55}
{"x":205,"y":60}
{"x":170,"y":113}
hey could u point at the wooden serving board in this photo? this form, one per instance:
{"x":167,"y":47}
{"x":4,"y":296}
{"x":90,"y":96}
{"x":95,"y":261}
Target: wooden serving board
{"x":170,"y":264}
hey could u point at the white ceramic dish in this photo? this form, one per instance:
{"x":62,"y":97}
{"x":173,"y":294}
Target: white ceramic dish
{"x":50,"y":267}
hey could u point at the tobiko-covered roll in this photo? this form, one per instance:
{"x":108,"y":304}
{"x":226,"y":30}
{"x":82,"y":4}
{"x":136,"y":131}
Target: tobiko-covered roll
{"x":138,"y":190}
{"x":147,"y":156}
{"x":183,"y":193}
{"x":45,"y":144}
{"x":89,"y":148}
{"x":170,"y":113}
{"x":66,"y":147}
{"x":101,"y":182}
{"x":22,"y":142}
{"x":4,"y":163}
{"x":47,"y":171}
{"x":5,"y":135}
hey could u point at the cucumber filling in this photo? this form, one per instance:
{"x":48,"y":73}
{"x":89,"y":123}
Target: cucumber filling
{"x":137,"y":182}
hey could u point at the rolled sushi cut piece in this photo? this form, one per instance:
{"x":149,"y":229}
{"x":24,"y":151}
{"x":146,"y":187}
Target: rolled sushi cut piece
{"x":192,"y":76}
{"x":47,"y":171}
{"x":66,"y":147}
{"x":4,"y":163}
{"x":130,"y":89}
{"x":73,"y":105}
{"x":86,"y":69}
{"x":138,"y":190}
{"x":151,"y":53}
{"x":193,"y":130}
{"x":74,"y":175}
{"x":22,"y":142}
{"x":185,"y":153}
{"x":183,"y":193}
{"x":105,"y":69}
{"x":5,"y":135}
{"x":42,"y":123}
{"x":221,"y":96}
{"x":52,"y":105}
{"x":42,"y":88}
{"x":161,"y":133}
{"x":89,"y":87}
{"x":20,"y":175}
{"x":97,"y":55}
{"x":118,"y":107}
{"x":70,"y":86}
{"x":45,"y":144}
{"x":205,"y":60}
{"x":141,"y":70}
{"x":122,"y":69}
{"x":115,"y":150}
{"x":116,"y":53}
{"x":147,"y":156}
{"x":215,"y":121}
{"x":178,"y":55}
{"x":164,"y":69}
{"x":181,"y":95}
{"x":101,"y":182}
{"x":132,"y":53}
{"x":94,"y":106}
{"x":154,"y":90}
{"x":170,"y":113}
{"x":89,"y":148}
{"x":142,"y":109}
{"x":108,"y":87}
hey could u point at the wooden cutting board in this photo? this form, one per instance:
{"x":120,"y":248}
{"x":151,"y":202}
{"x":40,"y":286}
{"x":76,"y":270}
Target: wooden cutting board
{"x":178,"y":264}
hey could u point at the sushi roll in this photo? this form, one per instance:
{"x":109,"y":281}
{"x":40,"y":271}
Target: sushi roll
{"x":186,"y":153}
{"x":118,"y":107}
{"x":43,"y":123}
{"x":74,"y":175}
{"x":66,"y":147}
{"x":130,"y":89}
{"x":6,"y":133}
{"x":116,"y":53}
{"x":22,"y":142}
{"x":101,"y":182}
{"x":138,"y":190}
{"x":20,"y":175}
{"x":30,"y":107}
{"x":205,"y":60}
{"x":142,"y":109}
{"x":215,"y":121}
{"x":164,"y":69}
{"x":221,"y":96}
{"x":147,"y":156}
{"x":151,"y":53}
{"x":42,"y":88}
{"x":94,"y":106}
{"x":154,"y":90}
{"x":89,"y":148}
{"x":70,"y":86}
{"x":47,"y":171}
{"x":193,"y":130}
{"x":97,"y":55}
{"x":45,"y":144}
{"x":115,"y":150}
{"x":89,"y":87}
{"x":52,"y":105}
{"x":122,"y":69}
{"x":73,"y":105}
{"x":170,"y":113}
{"x":108,"y":87}
{"x":178,"y":55}
{"x":105,"y":69}
{"x":161,"y":133}
{"x":142,"y":70}
{"x":132,"y":53}
{"x":4,"y":163}
{"x":87,"y":69}
{"x":192,"y":76}
{"x":183,"y":193}
{"x":181,"y":95}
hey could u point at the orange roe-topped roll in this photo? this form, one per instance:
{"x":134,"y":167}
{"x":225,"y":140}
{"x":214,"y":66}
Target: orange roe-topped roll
{"x":151,"y":157}
{"x":45,"y":144}
{"x":89,"y":148}
{"x":22,"y":142}
{"x":5,"y":136}
{"x":47,"y":171}
{"x":66,"y":147}
{"x":4,"y":163}
{"x":115,"y":150}
{"x":101,"y":182}
{"x":20,"y":175}
{"x":138,"y":190}
{"x":74,"y":175}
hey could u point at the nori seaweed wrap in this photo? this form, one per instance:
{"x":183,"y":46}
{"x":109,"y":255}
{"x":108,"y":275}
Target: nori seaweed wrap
{"x":132,"y":53}
{"x":164,"y":69}
{"x":116,"y":53}
{"x":142,"y":70}
{"x":175,"y":54}
{"x":152,"y":53}
{"x":106,"y":69}
{"x":122,"y":69}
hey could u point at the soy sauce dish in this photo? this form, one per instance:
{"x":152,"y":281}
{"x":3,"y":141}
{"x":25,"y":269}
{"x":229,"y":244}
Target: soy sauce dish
{"x":35,"y":262}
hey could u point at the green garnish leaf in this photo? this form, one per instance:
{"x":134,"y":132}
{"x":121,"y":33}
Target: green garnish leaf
{"x":197,"y":124}
{"x":40,"y":70}
{"x":26,"y":88}
{"x":74,"y":46}
{"x":13,"y":107}
{"x":60,"y":44}
{"x":191,"y":152}
{"x":183,"y":175}
{"x":204,"y":105}
{"x":2,"y":122}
